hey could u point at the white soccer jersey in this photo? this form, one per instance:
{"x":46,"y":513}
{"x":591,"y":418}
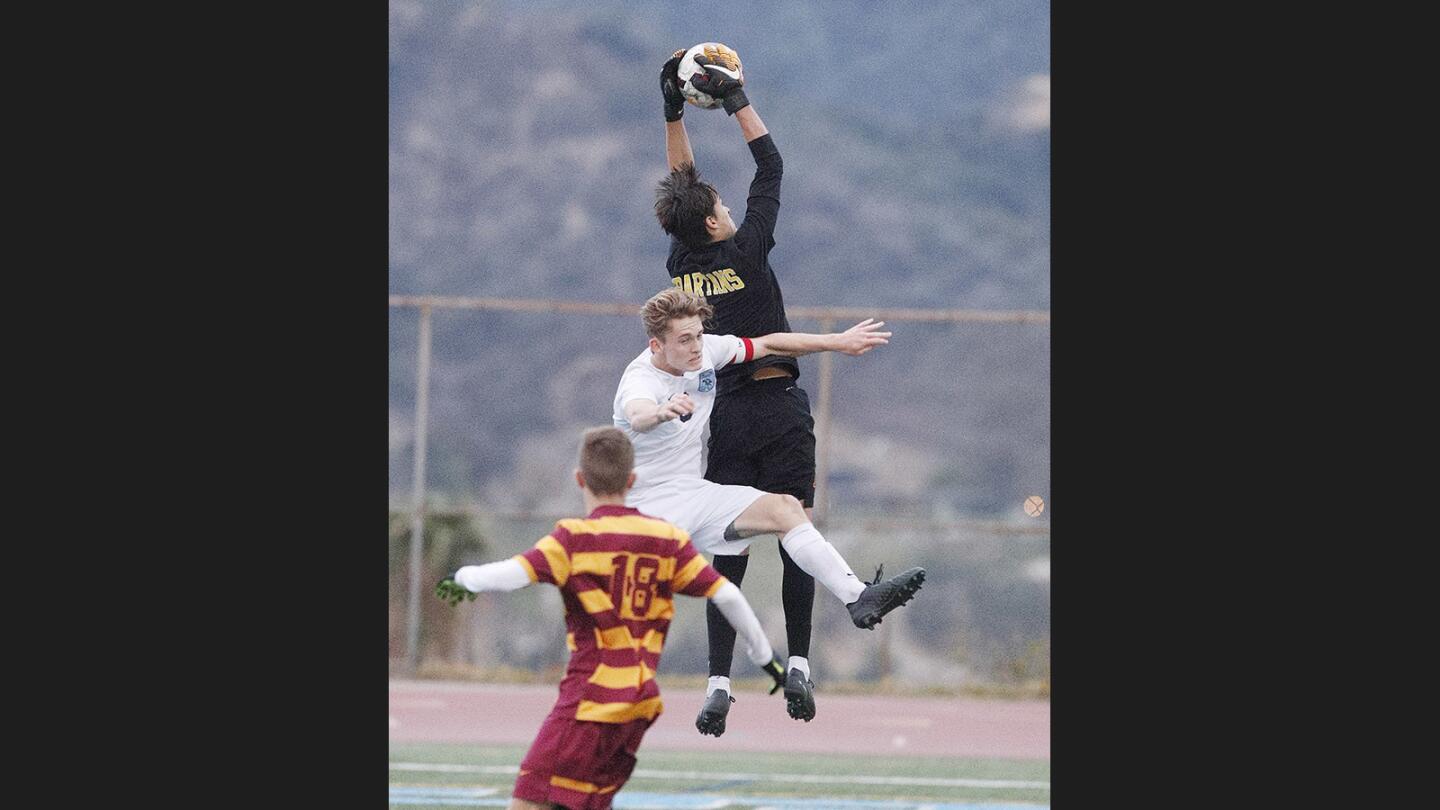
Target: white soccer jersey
{"x":675,"y":448}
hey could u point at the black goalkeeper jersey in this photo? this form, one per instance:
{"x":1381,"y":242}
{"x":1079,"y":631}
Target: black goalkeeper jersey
{"x":735,"y":275}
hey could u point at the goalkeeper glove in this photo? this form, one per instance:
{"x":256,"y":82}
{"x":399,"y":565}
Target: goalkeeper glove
{"x":776,"y":670}
{"x":713,"y":81}
{"x":670,"y":88}
{"x":453,"y":592}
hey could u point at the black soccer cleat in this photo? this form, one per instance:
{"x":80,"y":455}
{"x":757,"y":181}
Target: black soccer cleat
{"x":711,"y":719}
{"x":880,"y":598}
{"x":799,"y":696}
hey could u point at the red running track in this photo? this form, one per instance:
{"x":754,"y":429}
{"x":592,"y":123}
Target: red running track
{"x":506,"y":714}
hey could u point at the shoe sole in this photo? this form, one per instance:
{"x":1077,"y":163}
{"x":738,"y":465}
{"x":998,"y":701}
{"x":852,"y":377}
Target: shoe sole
{"x":713,"y":728}
{"x":712,"y":723}
{"x":900,"y":597}
{"x":798,"y":707}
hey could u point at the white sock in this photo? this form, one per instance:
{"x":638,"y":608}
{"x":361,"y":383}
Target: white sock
{"x":816,"y":557}
{"x":719,"y":682}
{"x":802,"y":664}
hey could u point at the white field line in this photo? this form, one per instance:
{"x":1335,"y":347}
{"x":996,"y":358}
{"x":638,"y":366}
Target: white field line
{"x":808,"y":778}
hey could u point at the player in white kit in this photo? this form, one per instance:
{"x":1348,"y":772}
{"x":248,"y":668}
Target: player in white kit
{"x":663,"y":405}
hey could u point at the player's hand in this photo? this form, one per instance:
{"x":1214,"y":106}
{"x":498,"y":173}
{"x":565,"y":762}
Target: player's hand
{"x":670,"y":87}
{"x":861,"y":338}
{"x":776,"y":670}
{"x":713,"y":81}
{"x":453,"y":592}
{"x":679,"y":407}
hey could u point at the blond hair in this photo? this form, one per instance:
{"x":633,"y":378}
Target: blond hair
{"x":672,"y":303}
{"x":606,"y":459}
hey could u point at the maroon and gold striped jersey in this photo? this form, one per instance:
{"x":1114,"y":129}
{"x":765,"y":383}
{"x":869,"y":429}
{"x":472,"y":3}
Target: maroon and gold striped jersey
{"x":618,"y":571}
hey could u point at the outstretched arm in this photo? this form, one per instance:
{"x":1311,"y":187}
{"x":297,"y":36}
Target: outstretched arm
{"x":506,"y":575}
{"x":677,"y":145}
{"x":722,"y":79}
{"x":741,"y":616}
{"x":695,"y":577}
{"x":750,"y":124}
{"x":677,"y":140}
{"x":855,"y":341}
{"x":718,"y":78}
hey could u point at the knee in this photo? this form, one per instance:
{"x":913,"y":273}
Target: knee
{"x":787,"y":510}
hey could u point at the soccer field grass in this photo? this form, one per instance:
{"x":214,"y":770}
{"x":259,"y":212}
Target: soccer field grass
{"x":440,"y":775}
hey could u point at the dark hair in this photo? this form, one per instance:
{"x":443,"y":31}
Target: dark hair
{"x":606,"y":458}
{"x":682,"y":202}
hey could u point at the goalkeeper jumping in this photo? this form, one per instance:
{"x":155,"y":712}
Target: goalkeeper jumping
{"x":761,"y":431}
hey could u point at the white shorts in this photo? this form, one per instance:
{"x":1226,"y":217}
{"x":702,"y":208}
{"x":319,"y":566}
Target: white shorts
{"x":702,"y":508}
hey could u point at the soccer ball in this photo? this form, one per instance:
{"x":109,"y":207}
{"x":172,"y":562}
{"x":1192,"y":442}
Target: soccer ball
{"x":720,"y":56}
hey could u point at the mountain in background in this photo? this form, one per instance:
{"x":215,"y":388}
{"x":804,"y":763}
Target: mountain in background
{"x":525,"y":143}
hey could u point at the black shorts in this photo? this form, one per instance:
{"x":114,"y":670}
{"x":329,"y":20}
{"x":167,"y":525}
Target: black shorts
{"x":763,"y":436}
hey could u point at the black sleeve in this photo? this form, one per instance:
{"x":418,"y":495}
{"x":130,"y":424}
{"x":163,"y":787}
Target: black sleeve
{"x":756,"y":235}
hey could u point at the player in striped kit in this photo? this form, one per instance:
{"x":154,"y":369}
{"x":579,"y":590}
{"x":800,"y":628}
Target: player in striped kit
{"x":618,"y":571}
